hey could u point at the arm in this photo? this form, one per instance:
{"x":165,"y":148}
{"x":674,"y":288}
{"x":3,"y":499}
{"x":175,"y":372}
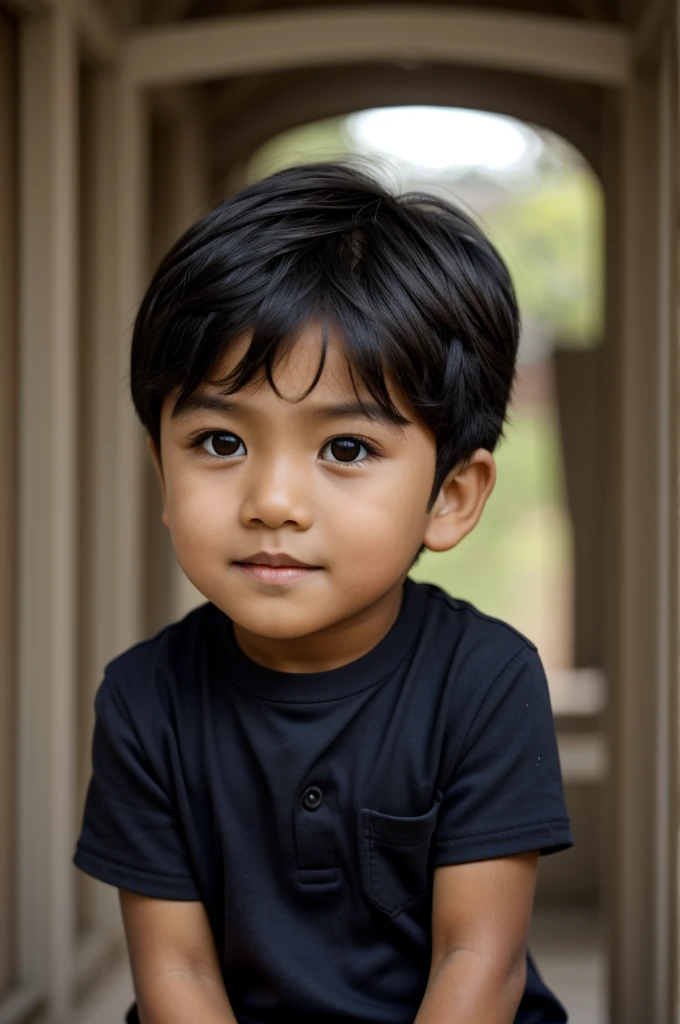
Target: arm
{"x":174,"y":963}
{"x":480,"y":922}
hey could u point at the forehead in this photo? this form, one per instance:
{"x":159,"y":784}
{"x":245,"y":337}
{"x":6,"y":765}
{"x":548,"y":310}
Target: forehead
{"x":294,"y":370}
{"x":297,"y":363}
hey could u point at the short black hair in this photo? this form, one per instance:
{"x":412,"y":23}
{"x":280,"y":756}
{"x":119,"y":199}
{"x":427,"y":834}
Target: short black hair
{"x":411,"y":283}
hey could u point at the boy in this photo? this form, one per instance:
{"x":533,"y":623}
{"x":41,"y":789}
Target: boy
{"x":323,"y":793}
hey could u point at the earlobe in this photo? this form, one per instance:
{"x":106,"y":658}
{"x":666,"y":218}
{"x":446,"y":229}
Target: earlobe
{"x":157,"y":465}
{"x":460,"y":501}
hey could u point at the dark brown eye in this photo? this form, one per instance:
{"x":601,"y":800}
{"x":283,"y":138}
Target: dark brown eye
{"x":222,"y":444}
{"x":344,"y":449}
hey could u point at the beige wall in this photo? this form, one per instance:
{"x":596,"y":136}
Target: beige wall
{"x":8,"y":279}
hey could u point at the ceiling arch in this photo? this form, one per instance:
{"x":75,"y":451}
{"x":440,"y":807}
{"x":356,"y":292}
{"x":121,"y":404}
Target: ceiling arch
{"x":243,"y":119}
{"x":204,"y":49}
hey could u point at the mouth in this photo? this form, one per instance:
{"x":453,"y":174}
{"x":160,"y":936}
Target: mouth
{"x":277,"y":560}
{"x":277,"y":574}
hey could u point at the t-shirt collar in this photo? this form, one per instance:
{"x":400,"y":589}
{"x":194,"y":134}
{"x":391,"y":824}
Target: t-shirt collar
{"x":332,"y":684}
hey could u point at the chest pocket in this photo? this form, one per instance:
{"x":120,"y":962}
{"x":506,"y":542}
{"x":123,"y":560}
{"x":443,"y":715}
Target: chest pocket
{"x":393,"y":854}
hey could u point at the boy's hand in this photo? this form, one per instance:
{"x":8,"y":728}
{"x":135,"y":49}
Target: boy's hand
{"x":480,"y":922}
{"x":175,"y":969}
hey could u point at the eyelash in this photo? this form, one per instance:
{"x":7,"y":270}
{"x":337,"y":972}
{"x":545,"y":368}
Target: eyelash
{"x":196,"y":441}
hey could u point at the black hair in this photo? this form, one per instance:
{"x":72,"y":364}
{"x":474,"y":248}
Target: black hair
{"x":411,"y":283}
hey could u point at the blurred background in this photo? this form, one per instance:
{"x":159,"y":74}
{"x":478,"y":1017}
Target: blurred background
{"x":555,"y":125}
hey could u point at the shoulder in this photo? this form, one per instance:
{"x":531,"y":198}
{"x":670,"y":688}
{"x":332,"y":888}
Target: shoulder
{"x":140,"y":674}
{"x":468,"y":629}
{"x":478,"y":621}
{"x":148,"y":701}
{"x":479,"y":660}
{"x":497,"y":693}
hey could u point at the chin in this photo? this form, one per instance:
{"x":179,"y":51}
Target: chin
{"x":294,"y":629}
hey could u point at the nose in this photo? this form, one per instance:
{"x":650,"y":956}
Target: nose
{"x":278,"y":491}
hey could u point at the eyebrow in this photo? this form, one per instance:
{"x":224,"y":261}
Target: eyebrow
{"x":218,"y":403}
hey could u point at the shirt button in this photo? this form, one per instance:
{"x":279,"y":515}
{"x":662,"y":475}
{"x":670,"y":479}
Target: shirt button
{"x":312,"y":797}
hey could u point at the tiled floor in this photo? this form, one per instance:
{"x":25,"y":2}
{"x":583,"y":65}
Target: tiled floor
{"x":568,"y":951}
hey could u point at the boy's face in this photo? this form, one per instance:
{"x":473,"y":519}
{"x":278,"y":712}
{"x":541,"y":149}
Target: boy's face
{"x":270,"y":475}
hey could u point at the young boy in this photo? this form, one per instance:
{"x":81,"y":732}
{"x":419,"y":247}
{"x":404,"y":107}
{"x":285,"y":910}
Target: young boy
{"x":323,"y":793}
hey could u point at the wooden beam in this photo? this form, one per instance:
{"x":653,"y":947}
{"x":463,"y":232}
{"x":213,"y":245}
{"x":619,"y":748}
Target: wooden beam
{"x":9,"y":198}
{"x":97,"y":33}
{"x":28,"y":8}
{"x":48,"y":486}
{"x":103,"y":391}
{"x":131,"y":248}
{"x":216,"y":47}
{"x":168,"y":10}
{"x":93,"y":26}
{"x":656,"y":16}
{"x":597,"y":10}
{"x":641,"y":485}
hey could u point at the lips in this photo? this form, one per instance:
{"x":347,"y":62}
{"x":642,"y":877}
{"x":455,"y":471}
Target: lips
{"x":277,"y":560}
{"x":290,"y":571}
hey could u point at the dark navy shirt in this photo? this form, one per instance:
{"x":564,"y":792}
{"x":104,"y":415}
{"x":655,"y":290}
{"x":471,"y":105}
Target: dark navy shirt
{"x":308,"y":810}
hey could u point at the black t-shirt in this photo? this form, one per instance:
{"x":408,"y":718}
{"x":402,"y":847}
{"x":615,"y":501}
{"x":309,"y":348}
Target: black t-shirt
{"x":308,"y":810}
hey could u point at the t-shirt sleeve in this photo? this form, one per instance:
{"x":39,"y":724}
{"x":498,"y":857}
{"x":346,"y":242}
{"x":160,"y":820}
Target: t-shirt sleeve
{"x":504,"y":794}
{"x":131,"y":836}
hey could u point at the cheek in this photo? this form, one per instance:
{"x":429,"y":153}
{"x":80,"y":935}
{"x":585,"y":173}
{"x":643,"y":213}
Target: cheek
{"x":385,"y":518}
{"x":198,"y":512}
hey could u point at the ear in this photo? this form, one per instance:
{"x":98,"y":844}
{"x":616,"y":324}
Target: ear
{"x":156,"y":459}
{"x":460,"y":501}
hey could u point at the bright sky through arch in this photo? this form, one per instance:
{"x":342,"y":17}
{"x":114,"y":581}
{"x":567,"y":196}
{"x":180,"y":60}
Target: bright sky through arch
{"x":448,"y":139}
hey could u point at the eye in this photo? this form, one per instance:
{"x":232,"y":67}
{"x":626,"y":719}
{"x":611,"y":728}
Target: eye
{"x":344,"y":449}
{"x":221,"y":444}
